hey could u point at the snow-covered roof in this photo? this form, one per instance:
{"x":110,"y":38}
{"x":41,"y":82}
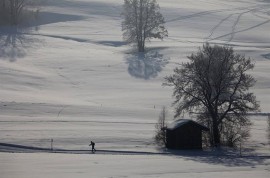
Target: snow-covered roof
{"x":180,"y":122}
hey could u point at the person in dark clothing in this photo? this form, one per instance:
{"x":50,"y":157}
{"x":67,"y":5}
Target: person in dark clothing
{"x":93,"y":146}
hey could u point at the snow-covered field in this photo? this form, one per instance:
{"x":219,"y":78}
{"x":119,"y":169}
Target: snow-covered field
{"x":71,"y":78}
{"x":118,"y":166}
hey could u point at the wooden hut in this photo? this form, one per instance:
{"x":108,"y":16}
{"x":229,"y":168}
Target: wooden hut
{"x":184,"y":134}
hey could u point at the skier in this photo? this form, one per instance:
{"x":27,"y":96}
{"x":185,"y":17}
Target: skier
{"x":93,"y":146}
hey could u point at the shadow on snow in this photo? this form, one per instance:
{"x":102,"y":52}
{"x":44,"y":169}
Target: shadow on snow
{"x":229,"y":158}
{"x":16,"y":41}
{"x":266,"y":56}
{"x":112,"y":43}
{"x":112,"y":10}
{"x":146,"y":65}
{"x":50,"y":17}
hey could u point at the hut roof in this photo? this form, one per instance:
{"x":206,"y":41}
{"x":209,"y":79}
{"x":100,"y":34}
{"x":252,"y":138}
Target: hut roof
{"x":181,"y":122}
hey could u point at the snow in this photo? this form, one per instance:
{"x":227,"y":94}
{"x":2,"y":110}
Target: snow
{"x":178,"y":123}
{"x":71,"y":78}
{"x":77,"y":165}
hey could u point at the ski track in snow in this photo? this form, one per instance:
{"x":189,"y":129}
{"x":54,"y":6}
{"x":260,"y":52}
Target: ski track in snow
{"x":239,"y":31}
{"x":234,"y":31}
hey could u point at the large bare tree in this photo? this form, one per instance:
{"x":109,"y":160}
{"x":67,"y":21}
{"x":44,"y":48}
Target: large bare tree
{"x":13,"y":9}
{"x":142,"y":21}
{"x":215,"y":82}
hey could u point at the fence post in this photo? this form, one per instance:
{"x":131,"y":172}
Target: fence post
{"x":51,"y":144}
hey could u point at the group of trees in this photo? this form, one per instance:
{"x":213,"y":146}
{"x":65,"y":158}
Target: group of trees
{"x":13,"y":11}
{"x":214,"y":83}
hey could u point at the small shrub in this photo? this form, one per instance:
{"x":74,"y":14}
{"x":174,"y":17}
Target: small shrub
{"x":160,"y":137}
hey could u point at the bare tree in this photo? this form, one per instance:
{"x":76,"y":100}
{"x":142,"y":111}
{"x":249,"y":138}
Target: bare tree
{"x":160,"y":137}
{"x":142,"y":21}
{"x":215,"y":82}
{"x":16,"y":7}
{"x":13,"y":10}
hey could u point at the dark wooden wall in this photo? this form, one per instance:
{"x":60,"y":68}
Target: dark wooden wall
{"x":187,"y":136}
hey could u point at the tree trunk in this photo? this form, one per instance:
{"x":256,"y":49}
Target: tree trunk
{"x":140,"y":37}
{"x":140,"y":46}
{"x":216,"y":135}
{"x":12,"y":10}
{"x":4,"y":4}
